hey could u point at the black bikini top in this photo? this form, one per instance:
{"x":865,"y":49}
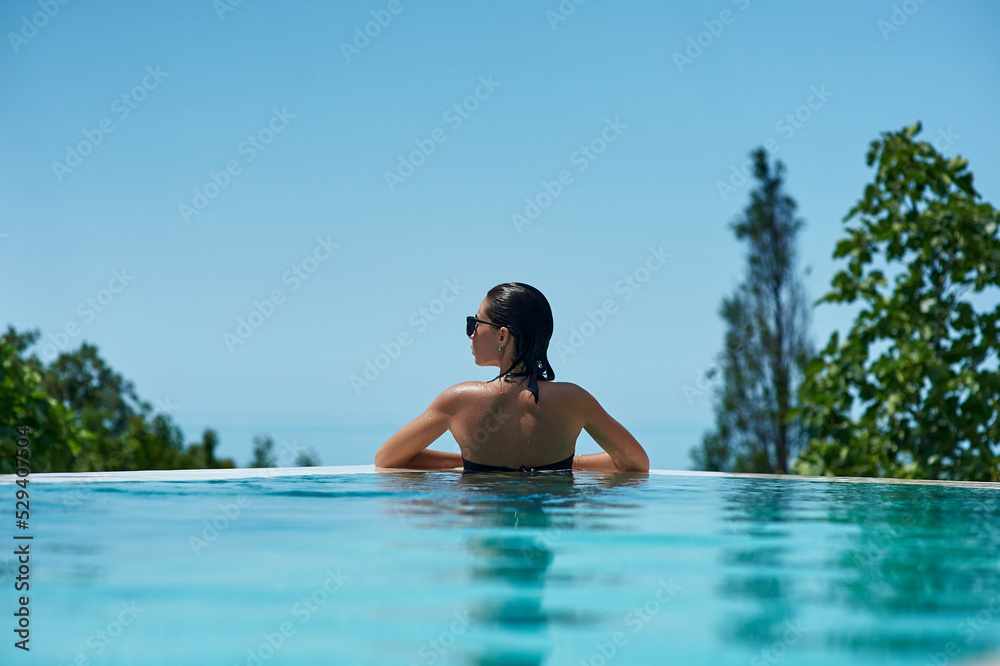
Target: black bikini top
{"x":566,"y":464}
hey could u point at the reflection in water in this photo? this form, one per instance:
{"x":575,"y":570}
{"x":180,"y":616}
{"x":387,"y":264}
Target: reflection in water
{"x":923,"y":557}
{"x":512,"y":612}
{"x":516,"y":522}
{"x":755,"y":562}
{"x":894,"y":552}
{"x":920,"y":549}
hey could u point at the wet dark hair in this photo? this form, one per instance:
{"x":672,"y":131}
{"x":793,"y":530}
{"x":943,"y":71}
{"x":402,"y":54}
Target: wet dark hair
{"x":527,"y":315}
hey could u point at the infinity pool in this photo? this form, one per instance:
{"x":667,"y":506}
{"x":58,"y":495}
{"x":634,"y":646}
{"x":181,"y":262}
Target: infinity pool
{"x":352,"y":566}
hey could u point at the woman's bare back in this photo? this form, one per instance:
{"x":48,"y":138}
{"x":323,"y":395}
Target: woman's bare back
{"x":500,"y":424}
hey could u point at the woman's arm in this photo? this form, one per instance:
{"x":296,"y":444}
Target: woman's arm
{"x":430,"y":459}
{"x":623,"y":453}
{"x":405,"y":449}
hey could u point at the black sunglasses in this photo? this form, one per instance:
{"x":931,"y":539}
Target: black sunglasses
{"x":472,"y":322}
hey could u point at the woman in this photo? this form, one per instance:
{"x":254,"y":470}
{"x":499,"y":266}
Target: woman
{"x":521,"y":419}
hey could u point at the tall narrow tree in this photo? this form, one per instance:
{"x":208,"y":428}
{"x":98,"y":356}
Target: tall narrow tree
{"x":766,"y":345}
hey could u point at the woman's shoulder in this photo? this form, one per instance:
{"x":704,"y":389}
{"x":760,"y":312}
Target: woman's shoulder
{"x":460,"y":393}
{"x":567,"y":392}
{"x":465,"y":388}
{"x":465,"y":391}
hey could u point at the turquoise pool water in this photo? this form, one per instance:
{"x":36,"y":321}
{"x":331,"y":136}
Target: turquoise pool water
{"x":352,"y":566}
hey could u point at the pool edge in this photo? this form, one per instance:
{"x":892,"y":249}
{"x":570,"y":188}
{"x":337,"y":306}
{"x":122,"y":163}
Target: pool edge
{"x":250,"y":473}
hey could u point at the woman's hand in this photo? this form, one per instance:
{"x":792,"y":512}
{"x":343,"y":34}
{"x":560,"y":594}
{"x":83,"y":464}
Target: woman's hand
{"x":405,"y":449}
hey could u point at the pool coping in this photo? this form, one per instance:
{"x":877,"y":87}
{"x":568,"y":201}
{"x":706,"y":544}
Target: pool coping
{"x":265,"y":472}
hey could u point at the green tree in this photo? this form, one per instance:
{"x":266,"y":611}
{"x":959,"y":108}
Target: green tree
{"x":913,"y":390}
{"x":307,"y":459}
{"x":84,"y":382}
{"x":203,"y":452}
{"x":766,"y":343}
{"x":263,"y":452}
{"x":56,"y":437}
{"x":86,"y":417}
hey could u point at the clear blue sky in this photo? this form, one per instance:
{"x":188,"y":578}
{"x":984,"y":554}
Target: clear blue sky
{"x":155,"y":98}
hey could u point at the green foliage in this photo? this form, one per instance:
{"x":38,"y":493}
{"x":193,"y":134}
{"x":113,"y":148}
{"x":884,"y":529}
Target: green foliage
{"x":714,"y":454}
{"x":203,"y":452}
{"x":56,"y":438}
{"x":913,"y":389}
{"x":766,"y":342}
{"x":307,"y":459}
{"x":263,"y":452}
{"x":84,"y":381}
{"x":85,"y":417}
